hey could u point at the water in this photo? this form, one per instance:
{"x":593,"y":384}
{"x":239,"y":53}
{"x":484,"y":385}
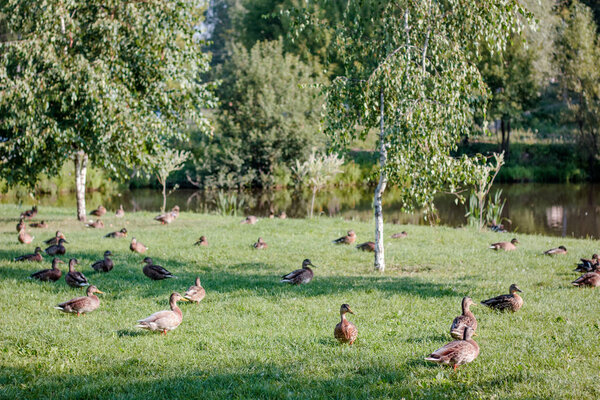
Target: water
{"x":551,"y":209}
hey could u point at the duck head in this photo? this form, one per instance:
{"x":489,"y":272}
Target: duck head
{"x":93,"y":289}
{"x":514,"y":288}
{"x":55,"y":262}
{"x":147,"y":260}
{"x":514,"y":241}
{"x":345,"y":308}
{"x":306,"y":263}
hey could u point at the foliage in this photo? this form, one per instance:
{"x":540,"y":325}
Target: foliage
{"x":165,"y":162}
{"x":483,"y":181}
{"x":229,"y":204}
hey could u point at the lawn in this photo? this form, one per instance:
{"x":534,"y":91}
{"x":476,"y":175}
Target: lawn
{"x":252,"y":337}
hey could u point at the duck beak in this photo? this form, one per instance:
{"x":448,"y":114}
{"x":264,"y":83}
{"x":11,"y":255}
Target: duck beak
{"x":475,"y":334}
{"x":350,"y":311}
{"x":183,"y":299}
{"x":313,"y":265}
{"x":99,"y":291}
{"x":519,"y":290}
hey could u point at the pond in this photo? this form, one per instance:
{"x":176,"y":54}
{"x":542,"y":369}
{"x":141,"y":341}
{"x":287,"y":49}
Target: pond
{"x":551,"y":209}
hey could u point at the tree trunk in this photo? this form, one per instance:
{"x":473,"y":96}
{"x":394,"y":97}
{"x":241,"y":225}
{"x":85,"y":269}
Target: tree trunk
{"x":379,"y":252}
{"x":164,"y":193}
{"x":312,"y":201}
{"x":81,"y":160}
{"x":502,"y":129}
{"x":507,"y":149}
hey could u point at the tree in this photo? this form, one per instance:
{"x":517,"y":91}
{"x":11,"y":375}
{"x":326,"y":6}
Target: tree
{"x":165,"y":162}
{"x":408,"y":70}
{"x":102,"y":81}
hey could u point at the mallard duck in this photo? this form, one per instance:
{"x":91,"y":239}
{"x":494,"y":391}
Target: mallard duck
{"x":196,"y":292}
{"x":41,"y":224}
{"x":457,"y":352}
{"x":120,"y":212}
{"x":166,"y":218}
{"x":202,"y":241}
{"x":46,"y":275}
{"x":57,"y":249}
{"x":137,"y":247}
{"x":510,"y":302}
{"x":81,"y":305}
{"x":104,"y":265}
{"x":118,"y":234}
{"x":96,"y":224}
{"x":588,"y":265}
{"x":506,"y":246}
{"x":283,"y":215}
{"x":36,"y":256}
{"x":299,"y":276}
{"x":589,"y":279}
{"x":25,"y":237}
{"x":175,"y":211}
{"x":556,"y":251}
{"x":400,"y":235}
{"x":75,"y":278}
{"x":164,"y":321}
{"x":29,"y":214}
{"x":366,"y":246}
{"x":250,"y":219}
{"x":59,"y":235}
{"x":21,"y":225}
{"x":260,"y":244}
{"x":466,"y":319}
{"x":348,"y":239}
{"x":99,"y":212}
{"x":155,"y":272}
{"x":271,"y":213}
{"x":345,"y":331}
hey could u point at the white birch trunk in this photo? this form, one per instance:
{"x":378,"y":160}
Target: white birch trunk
{"x":80,"y":174}
{"x":379,"y":252}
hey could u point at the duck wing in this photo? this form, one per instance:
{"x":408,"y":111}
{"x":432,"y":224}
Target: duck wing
{"x":195,"y":293}
{"x":588,"y":279}
{"x":77,"y":278}
{"x":499,"y":302}
{"x":459,"y":324}
{"x":78,"y":304}
{"x":98,"y":266}
{"x":292,"y":275}
{"x":160,"y":320}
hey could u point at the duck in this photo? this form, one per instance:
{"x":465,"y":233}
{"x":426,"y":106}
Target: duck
{"x":75,"y":278}
{"x":21,"y":225}
{"x":36,"y":256}
{"x":41,"y":224}
{"x":506,"y":246}
{"x":46,"y":275}
{"x":96,"y":224}
{"x":202,"y":241}
{"x":457,"y":352}
{"x":589,"y":279}
{"x":556,"y":251}
{"x":29,"y":214}
{"x":506,"y":302}
{"x":104,"y":265}
{"x":118,"y":234}
{"x":300,"y":276}
{"x":166,"y":218}
{"x":260,"y":244}
{"x":137,"y":247}
{"x":587,"y":265}
{"x":166,"y":320}
{"x":250,"y":219}
{"x":196,"y":292}
{"x":400,"y":235}
{"x":120,"y":212}
{"x":366,"y":246}
{"x":348,"y":239}
{"x":81,"y":305}
{"x":345,"y":331}
{"x":54,"y":240}
{"x":155,"y":272}
{"x":466,"y":319}
{"x":283,"y":215}
{"x":25,"y":237}
{"x":175,"y":211}
{"x":57,"y":249}
{"x":99,"y":212}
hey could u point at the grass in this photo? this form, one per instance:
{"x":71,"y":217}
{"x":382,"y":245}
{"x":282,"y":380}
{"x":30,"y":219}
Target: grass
{"x":252,"y":337}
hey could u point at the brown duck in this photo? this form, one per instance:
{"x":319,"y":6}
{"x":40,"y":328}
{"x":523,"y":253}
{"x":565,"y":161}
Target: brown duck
{"x":29,"y":214}
{"x":348,"y":239}
{"x":250,"y":219}
{"x":104,"y":265}
{"x":587,"y":265}
{"x":400,"y":235}
{"x":20,"y":225}
{"x":260,"y":244}
{"x":46,"y":275}
{"x":75,"y":278}
{"x":155,"y":272}
{"x":458,"y":352}
{"x":202,"y":241}
{"x":99,"y":212}
{"x":96,"y":224}
{"x":506,"y":246}
{"x":589,"y":279}
{"x":81,"y":305}
{"x":466,"y":319}
{"x":506,"y":302}
{"x":165,"y":219}
{"x":57,"y":249}
{"x":366,"y":246}
{"x":345,"y":331}
{"x":120,"y":212}
{"x":283,"y":215}
{"x":137,"y":247}
{"x":41,"y":224}
{"x":196,"y":292}
{"x":25,"y":237}
{"x":36,"y":256}
{"x":166,"y":320}
{"x":59,"y":235}
{"x":556,"y":251}
{"x":300,"y":276}
{"x":118,"y":234}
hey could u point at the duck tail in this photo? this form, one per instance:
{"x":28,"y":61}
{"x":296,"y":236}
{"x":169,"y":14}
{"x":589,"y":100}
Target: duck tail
{"x":432,"y":358}
{"x":59,"y":308}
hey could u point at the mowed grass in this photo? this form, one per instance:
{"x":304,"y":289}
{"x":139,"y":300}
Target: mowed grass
{"x":253,"y":337}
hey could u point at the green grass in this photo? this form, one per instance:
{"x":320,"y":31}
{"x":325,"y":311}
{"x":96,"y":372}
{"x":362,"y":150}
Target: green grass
{"x":252,"y":337}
